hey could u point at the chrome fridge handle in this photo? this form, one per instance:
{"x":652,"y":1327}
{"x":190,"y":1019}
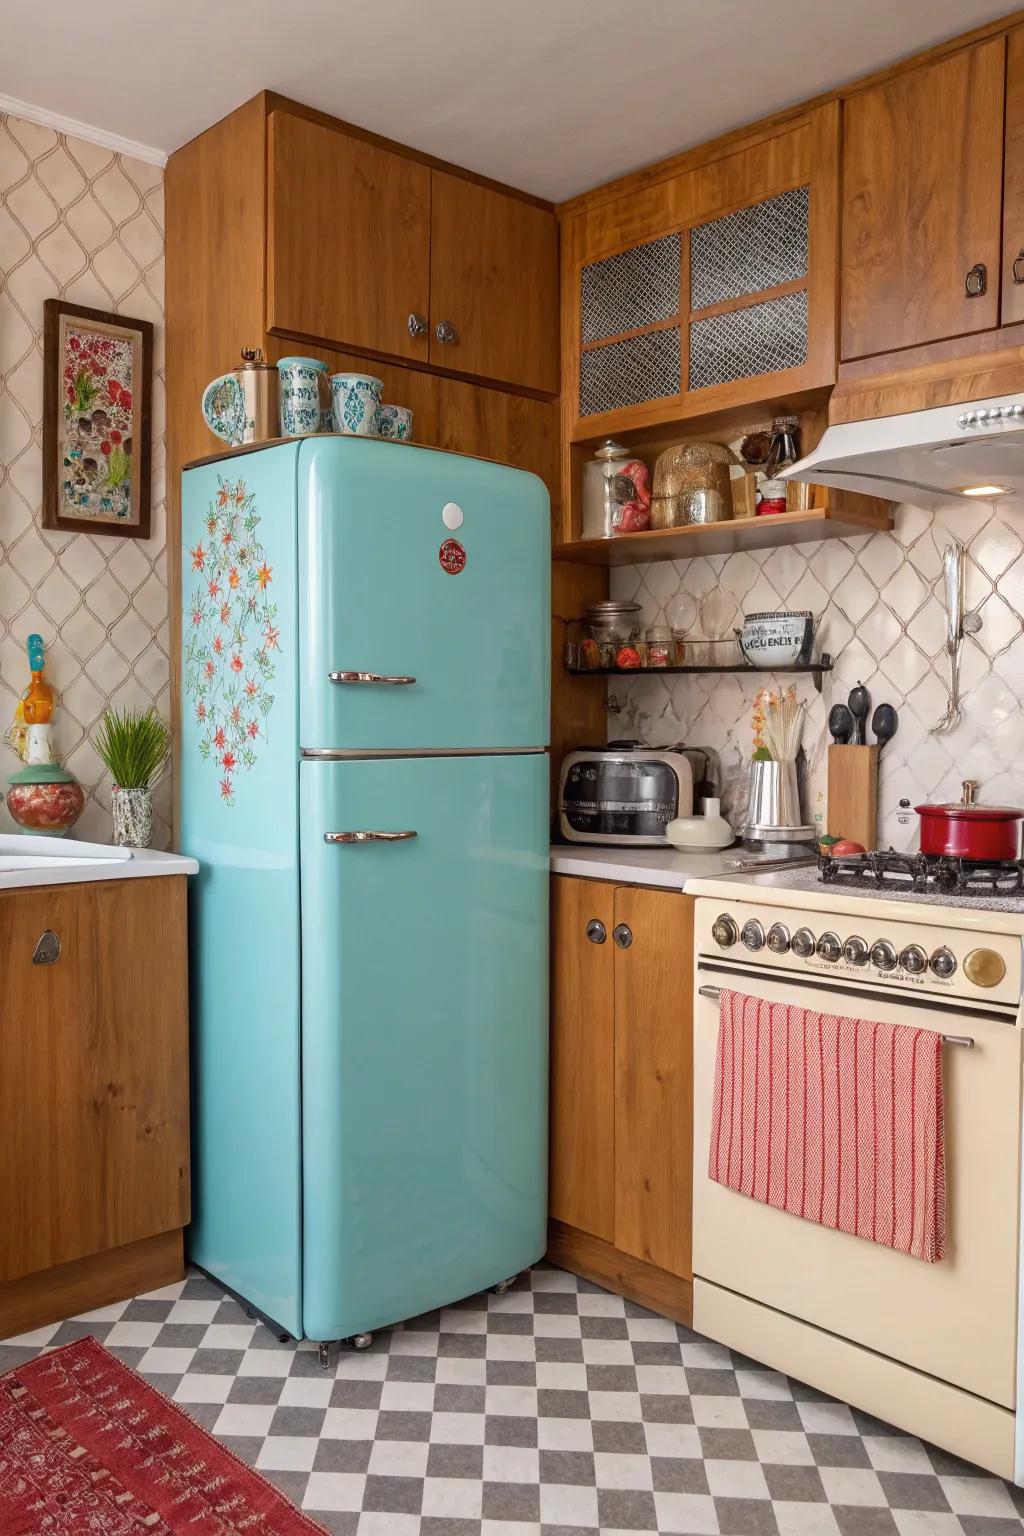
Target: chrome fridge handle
{"x":367,"y":837}
{"x":370,"y":677}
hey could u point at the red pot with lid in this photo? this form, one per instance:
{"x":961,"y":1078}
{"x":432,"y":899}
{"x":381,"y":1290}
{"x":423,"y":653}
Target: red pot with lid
{"x":969,"y":830}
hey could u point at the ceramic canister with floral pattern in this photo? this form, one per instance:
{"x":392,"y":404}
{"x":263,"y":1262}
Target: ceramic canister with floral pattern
{"x":356,"y":398}
{"x":300,"y":395}
{"x":395,"y":422}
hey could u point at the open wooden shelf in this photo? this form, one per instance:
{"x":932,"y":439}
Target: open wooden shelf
{"x":723,"y":538}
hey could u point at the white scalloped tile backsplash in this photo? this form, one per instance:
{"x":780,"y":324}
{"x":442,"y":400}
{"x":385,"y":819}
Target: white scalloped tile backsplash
{"x":81,"y":223}
{"x":879,"y":598}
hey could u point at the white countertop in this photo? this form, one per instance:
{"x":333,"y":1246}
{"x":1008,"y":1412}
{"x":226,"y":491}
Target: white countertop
{"x":665,"y":867}
{"x":27,"y":860}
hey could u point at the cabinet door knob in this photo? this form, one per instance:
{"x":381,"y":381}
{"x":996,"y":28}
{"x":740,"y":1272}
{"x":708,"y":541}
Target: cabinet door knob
{"x":417,"y":324}
{"x":596,"y":931}
{"x":446,"y":333}
{"x":622,"y":935}
{"x":976,"y":280}
{"x":1018,"y":266}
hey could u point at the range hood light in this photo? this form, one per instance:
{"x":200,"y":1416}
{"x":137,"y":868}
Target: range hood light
{"x":984,"y":490}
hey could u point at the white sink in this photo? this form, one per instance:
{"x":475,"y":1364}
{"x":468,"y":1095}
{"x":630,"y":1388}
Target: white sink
{"x":26,"y":851}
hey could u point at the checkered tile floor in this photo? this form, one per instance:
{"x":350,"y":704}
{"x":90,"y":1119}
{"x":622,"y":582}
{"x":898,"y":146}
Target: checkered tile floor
{"x":555,"y":1410}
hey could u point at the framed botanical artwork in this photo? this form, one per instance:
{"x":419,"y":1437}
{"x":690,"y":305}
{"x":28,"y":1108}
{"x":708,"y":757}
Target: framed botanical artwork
{"x":97,"y":408}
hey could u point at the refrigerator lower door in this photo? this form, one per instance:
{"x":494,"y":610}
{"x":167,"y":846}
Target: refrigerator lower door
{"x":424,"y":600}
{"x":424,"y":1033}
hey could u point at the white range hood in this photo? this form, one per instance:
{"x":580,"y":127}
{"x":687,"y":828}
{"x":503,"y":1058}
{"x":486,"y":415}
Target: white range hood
{"x":972,"y":452}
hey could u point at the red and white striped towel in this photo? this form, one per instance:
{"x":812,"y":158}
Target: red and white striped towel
{"x":836,"y":1120}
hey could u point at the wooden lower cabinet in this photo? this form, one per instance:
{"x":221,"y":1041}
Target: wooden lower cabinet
{"x":93,"y":1095}
{"x":622,"y":1089}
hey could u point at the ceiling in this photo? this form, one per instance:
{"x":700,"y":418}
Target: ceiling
{"x":553,"y":96}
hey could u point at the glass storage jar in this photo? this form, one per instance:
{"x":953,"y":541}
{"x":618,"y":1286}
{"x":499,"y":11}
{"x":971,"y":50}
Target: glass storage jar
{"x":616,"y":497}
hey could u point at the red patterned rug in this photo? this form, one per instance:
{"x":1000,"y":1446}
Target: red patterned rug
{"x":88,"y":1448}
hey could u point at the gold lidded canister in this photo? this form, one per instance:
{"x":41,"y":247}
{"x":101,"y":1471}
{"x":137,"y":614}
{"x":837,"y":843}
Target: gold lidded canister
{"x":692,"y":484}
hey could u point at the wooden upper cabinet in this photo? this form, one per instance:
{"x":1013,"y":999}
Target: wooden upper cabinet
{"x":348,"y":239}
{"x":1012,"y":308}
{"x":922,"y":189}
{"x":494,"y":281}
{"x":709,"y":290}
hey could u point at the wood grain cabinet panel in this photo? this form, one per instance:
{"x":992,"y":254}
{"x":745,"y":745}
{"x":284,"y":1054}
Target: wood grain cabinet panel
{"x":582,"y":1190}
{"x":654,"y":1078}
{"x":494,"y":278}
{"x":348,"y":239}
{"x":1012,"y":307}
{"x":922,"y":190}
{"x":93,"y":1071}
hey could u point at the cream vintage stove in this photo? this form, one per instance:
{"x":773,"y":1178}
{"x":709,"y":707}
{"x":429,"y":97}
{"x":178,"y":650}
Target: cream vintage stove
{"x":932,"y":1348}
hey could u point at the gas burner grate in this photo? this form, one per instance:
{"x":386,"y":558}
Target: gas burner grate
{"x":924,"y":873}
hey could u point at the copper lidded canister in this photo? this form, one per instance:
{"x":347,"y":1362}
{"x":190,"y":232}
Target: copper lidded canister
{"x":242,"y":406}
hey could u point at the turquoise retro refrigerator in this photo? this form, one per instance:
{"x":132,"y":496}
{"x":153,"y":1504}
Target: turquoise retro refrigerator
{"x":364,"y":781}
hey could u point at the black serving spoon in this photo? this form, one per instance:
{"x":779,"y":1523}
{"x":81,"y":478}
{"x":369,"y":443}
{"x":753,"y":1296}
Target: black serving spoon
{"x":884,"y":722}
{"x":840,"y":724}
{"x":859,"y":702}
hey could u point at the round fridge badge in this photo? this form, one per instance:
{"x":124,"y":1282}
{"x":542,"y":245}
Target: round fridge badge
{"x":452,"y":557}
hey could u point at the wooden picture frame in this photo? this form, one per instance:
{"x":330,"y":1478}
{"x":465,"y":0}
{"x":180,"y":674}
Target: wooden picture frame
{"x":97,"y":421}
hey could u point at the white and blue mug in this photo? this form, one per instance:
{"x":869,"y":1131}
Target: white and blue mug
{"x":394,"y":422}
{"x":300,"y":395}
{"x":356,"y":397}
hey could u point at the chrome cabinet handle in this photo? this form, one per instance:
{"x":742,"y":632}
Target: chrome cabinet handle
{"x":976,"y":280}
{"x":1018,"y":266}
{"x":371,"y":677}
{"x":622,"y":935}
{"x":368,"y":837}
{"x":596,"y":931}
{"x":417,"y":324}
{"x":446,"y":333}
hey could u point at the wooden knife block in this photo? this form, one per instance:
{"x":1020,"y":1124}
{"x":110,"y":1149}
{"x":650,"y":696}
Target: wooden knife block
{"x":853,"y":794}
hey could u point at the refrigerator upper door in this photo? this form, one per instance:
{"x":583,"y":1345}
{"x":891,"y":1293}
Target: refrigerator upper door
{"x":424,"y":1054}
{"x":424,"y":599}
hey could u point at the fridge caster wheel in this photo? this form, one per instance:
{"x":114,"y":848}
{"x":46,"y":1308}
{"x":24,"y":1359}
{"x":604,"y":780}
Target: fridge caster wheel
{"x":360,"y":1340}
{"x":325,"y":1356}
{"x":504,"y":1285}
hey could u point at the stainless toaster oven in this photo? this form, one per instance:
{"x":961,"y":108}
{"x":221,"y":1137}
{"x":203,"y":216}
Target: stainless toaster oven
{"x":623,"y":794}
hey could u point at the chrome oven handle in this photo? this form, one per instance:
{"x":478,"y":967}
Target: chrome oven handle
{"x":368,"y":837}
{"x":370,"y":677}
{"x":713,"y":994}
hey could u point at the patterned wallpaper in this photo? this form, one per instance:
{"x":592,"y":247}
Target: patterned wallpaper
{"x":879,"y":598}
{"x":85,"y":224}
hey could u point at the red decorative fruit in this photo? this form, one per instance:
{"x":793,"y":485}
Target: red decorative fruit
{"x":627,"y":658}
{"x":845,"y":847}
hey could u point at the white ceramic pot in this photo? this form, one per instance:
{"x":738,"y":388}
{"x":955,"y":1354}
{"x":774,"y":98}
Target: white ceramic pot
{"x":356,"y":398}
{"x":300,"y":395}
{"x":773,"y":639}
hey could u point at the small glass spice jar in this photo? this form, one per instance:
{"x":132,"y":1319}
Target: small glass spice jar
{"x":770,"y":497}
{"x":659,"y":646}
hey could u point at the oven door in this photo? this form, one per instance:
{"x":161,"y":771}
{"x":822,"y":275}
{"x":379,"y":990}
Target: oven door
{"x":955,"y":1319}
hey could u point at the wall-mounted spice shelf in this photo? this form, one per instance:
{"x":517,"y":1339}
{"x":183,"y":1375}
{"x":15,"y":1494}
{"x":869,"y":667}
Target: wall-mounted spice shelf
{"x":815,"y":668}
{"x":724,"y":538}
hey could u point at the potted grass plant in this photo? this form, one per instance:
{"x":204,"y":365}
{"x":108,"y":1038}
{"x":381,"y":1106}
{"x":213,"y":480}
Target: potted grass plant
{"x":135,"y":746}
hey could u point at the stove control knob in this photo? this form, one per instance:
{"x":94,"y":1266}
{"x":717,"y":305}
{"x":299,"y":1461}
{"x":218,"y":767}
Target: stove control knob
{"x":724,"y":931}
{"x":883,"y":955}
{"x":943,"y":963}
{"x":855,"y":951}
{"x":914,"y":960}
{"x":803,"y":943}
{"x":829,"y":947}
{"x":984,"y":967}
{"x":778,"y":939}
{"x":752,"y":935}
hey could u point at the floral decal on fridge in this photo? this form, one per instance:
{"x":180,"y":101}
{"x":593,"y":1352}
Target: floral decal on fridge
{"x":232,"y":636}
